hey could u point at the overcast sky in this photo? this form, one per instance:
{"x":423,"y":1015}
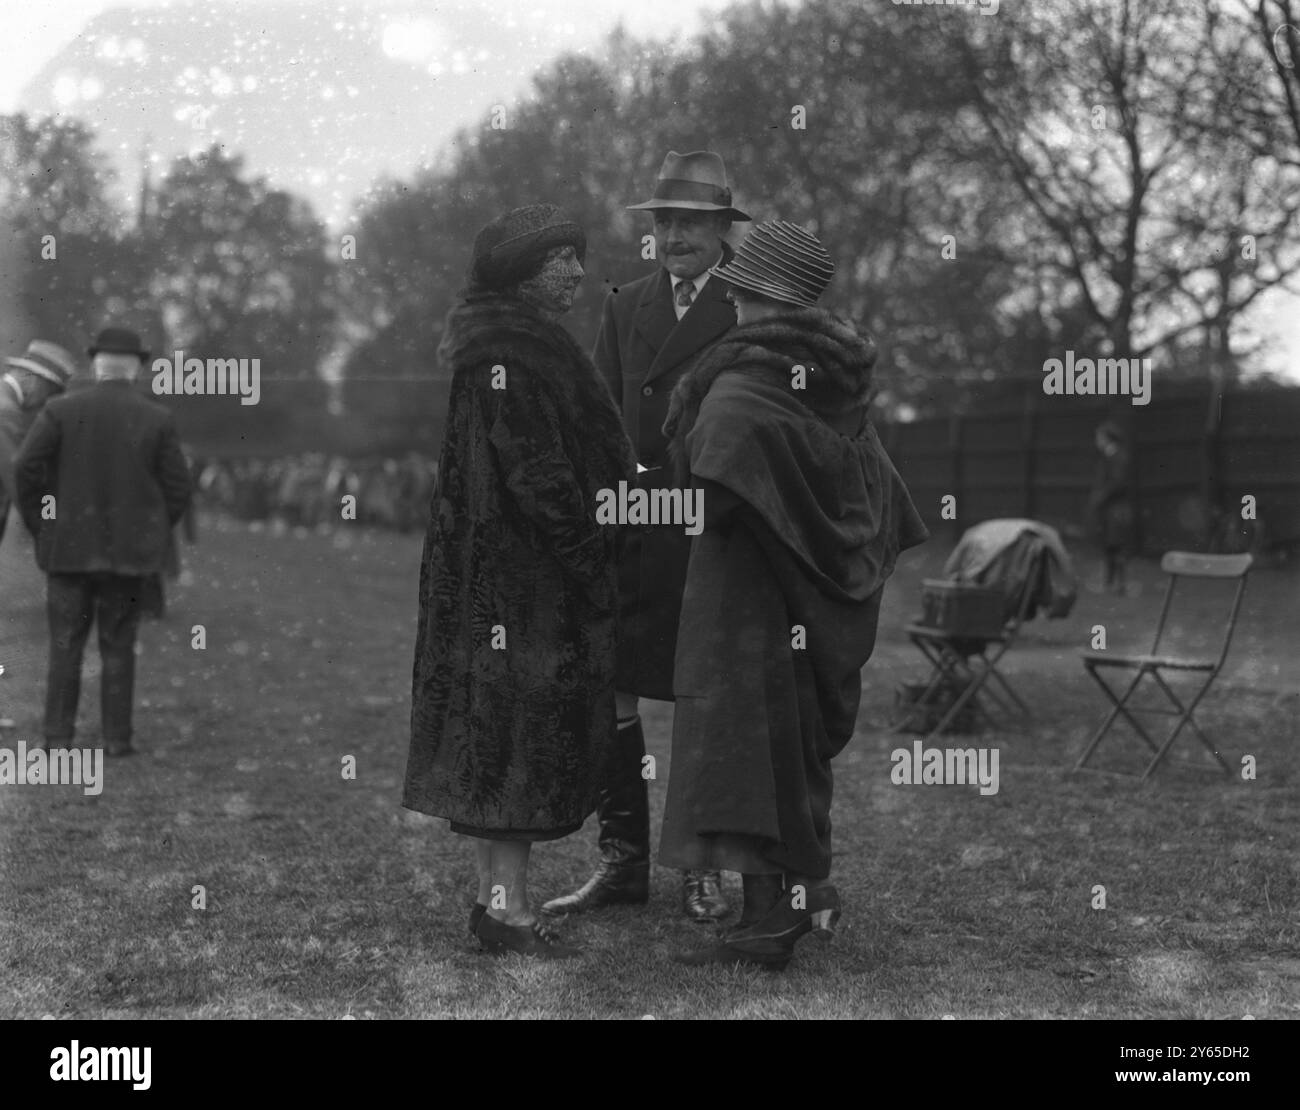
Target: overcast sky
{"x":33,"y":31}
{"x":322,"y":96}
{"x":419,"y":37}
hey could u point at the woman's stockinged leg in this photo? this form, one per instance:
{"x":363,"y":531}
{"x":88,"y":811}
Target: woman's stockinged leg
{"x":483,"y":862}
{"x":762,"y":892}
{"x":510,"y":924}
{"x":508,"y":893}
{"x":808,"y":882}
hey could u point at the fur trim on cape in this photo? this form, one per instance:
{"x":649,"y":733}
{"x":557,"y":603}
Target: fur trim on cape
{"x":838,"y":362}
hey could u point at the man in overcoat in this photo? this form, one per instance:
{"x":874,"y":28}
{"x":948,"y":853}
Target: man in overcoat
{"x":652,"y":331}
{"x":101,"y":482}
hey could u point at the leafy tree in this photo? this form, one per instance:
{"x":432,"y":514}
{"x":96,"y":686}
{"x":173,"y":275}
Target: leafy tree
{"x":62,"y":229}
{"x":1138,"y":208}
{"x":241,"y":269}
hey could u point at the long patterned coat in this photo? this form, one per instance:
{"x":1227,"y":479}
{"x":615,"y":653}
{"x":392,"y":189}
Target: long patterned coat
{"x":513,"y":686}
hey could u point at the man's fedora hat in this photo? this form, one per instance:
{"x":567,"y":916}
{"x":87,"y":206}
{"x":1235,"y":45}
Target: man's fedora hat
{"x":118,"y":341}
{"x":697,"y":181}
{"x":780,"y":260}
{"x":46,"y":360}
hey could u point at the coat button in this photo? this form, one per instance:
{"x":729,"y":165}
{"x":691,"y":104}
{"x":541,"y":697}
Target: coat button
{"x":648,"y":391}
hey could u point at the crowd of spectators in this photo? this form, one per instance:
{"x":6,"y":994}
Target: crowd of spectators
{"x":310,"y":491}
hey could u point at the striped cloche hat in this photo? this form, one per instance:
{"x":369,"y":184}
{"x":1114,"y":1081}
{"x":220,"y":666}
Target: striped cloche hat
{"x":780,"y":260}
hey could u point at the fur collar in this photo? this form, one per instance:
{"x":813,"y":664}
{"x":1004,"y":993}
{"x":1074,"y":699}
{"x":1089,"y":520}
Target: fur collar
{"x":486,"y":329}
{"x":839,"y":361}
{"x":488,"y":324}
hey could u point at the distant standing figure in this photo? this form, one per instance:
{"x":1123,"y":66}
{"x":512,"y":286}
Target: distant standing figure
{"x":1109,"y":506}
{"x":101,"y":483}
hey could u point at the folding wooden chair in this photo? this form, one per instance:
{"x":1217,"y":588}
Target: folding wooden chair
{"x":969,"y":664}
{"x":1178,"y":565}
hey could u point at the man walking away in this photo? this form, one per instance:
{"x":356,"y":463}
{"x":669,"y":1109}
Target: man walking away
{"x":101,"y":482}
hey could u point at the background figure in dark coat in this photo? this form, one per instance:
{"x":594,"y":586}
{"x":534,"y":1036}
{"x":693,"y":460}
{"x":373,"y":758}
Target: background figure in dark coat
{"x":652,"y":331}
{"x":1109,"y":505}
{"x":111,"y":461}
{"x":30,"y":379}
{"x":804,"y":517}
{"x":513,"y":689}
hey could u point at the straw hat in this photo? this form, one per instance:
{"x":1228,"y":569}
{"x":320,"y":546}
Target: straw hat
{"x":46,"y":360}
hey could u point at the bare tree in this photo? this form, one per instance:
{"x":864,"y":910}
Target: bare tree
{"x":1161,"y":224}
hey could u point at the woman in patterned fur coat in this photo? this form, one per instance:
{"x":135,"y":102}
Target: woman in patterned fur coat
{"x":513,"y":688}
{"x":804,"y":517}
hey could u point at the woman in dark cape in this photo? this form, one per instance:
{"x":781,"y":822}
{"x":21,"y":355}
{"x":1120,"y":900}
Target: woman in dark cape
{"x":804,"y":517}
{"x":513,"y":687}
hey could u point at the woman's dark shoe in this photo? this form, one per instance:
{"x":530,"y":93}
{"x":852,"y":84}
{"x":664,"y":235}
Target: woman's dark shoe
{"x":781,"y":927}
{"x":534,"y":940}
{"x":475,"y":916}
{"x":825,"y":920}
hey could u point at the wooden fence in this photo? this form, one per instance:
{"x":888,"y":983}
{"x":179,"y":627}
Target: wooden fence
{"x":1194,"y":452}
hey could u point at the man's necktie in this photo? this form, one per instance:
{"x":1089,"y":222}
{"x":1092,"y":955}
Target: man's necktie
{"x":685,"y":293}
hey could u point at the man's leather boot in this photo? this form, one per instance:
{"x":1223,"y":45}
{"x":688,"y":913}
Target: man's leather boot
{"x":623,"y":809}
{"x":702,"y":897}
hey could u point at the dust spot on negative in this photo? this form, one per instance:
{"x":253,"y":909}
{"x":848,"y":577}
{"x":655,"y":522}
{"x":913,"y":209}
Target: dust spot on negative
{"x":238,"y":806}
{"x":1169,"y":975}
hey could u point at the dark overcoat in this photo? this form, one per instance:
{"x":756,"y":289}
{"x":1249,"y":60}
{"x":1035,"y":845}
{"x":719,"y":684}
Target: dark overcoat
{"x":642,"y":351}
{"x":804,"y":517}
{"x":112,"y":459}
{"x":513,"y":688}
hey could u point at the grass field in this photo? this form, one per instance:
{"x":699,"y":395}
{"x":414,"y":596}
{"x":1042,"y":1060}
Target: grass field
{"x":324,"y":898}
